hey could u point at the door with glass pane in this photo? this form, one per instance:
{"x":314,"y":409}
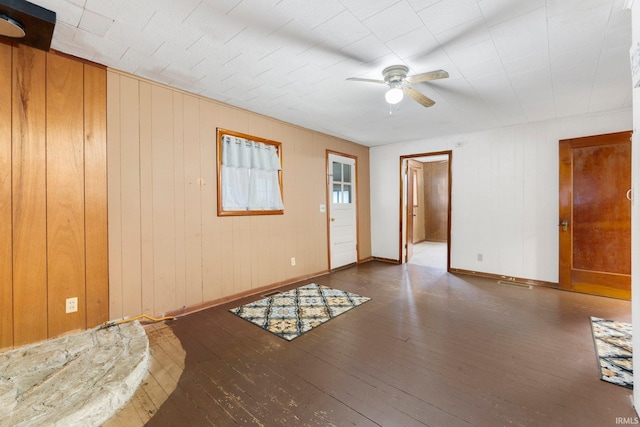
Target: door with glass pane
{"x":342,"y":211}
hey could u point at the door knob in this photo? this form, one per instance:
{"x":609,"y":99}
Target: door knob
{"x":333,"y":219}
{"x":564,"y":224}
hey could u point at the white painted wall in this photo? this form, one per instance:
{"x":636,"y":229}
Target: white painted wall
{"x":504,"y":194}
{"x":635,"y":207}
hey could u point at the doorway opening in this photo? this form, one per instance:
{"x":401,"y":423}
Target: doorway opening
{"x":425,"y":209}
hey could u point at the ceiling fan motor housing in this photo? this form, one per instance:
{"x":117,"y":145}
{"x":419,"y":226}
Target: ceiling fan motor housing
{"x":395,"y":73}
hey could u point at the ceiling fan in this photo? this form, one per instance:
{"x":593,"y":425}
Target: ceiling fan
{"x":395,"y":76}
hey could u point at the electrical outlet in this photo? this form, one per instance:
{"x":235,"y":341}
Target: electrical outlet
{"x":293,"y":261}
{"x":479,"y":257}
{"x":72,"y":305}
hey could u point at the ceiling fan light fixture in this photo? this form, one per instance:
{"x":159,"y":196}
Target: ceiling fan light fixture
{"x":394,"y":95}
{"x":395,"y":77}
{"x":11,"y":28}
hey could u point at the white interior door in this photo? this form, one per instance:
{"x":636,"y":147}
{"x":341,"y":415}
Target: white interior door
{"x":342,"y":211}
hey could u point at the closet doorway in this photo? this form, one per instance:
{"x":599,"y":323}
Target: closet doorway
{"x":426,"y":209}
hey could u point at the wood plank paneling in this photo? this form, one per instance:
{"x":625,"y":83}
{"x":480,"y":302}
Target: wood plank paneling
{"x":162,"y":190}
{"x":130,"y":147}
{"x":188,"y":256}
{"x":211,"y":241}
{"x":193,"y":185}
{"x":6,"y":239}
{"x":114,"y":196}
{"x":146,"y":199}
{"x":53,"y":194}
{"x":65,"y":193}
{"x":95,"y":191}
{"x":179,"y":201}
{"x":29,"y":196}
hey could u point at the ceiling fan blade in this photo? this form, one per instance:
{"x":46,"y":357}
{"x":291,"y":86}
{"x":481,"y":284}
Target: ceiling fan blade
{"x":418,"y":97}
{"x":425,"y":77}
{"x":357,"y":79}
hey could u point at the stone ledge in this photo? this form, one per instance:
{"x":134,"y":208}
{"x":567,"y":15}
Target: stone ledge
{"x":80,"y":379}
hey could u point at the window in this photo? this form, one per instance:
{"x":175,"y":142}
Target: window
{"x":249,"y":175}
{"x":342,"y":184}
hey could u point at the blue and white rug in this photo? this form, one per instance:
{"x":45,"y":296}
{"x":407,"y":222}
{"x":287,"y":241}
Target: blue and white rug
{"x":612,"y":340}
{"x":292,"y":313}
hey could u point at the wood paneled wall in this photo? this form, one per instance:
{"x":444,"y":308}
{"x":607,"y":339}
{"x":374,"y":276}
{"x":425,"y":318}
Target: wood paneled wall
{"x":53,"y":205}
{"x":168,"y":248}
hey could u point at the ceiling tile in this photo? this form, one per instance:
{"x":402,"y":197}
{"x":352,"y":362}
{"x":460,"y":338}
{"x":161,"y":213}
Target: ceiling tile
{"x":476,"y":60}
{"x":525,"y":63}
{"x":208,"y":19}
{"x":132,"y":37}
{"x":311,"y":13}
{"x":510,"y":61}
{"x":366,"y":49}
{"x":366,"y":9}
{"x":446,"y":15}
{"x":95,"y":23}
{"x":394,"y":22}
{"x":417,"y":42}
{"x":498,"y":11}
{"x":512,"y":43}
{"x":557,"y":7}
{"x":161,"y":27}
{"x":339,"y":31}
{"x":136,"y":13}
{"x":418,"y":5}
{"x":578,"y":30}
{"x":472,"y":33}
{"x":105,"y":48}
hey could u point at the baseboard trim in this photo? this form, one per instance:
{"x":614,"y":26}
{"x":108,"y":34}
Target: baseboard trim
{"x":353,"y":264}
{"x":257,"y":291}
{"x":388,"y":260}
{"x":504,"y":278}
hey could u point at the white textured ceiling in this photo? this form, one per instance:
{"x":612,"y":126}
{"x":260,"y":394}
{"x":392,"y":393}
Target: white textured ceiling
{"x":510,"y":61}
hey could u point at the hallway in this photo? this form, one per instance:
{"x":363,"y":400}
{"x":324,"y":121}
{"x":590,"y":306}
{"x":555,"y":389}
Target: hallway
{"x":430,"y":254}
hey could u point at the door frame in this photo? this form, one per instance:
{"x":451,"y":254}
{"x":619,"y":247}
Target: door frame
{"x":411,"y":189}
{"x":403,"y":189}
{"x":328,"y":203}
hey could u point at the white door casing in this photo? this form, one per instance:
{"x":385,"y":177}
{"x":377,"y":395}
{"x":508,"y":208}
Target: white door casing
{"x":342,"y":210}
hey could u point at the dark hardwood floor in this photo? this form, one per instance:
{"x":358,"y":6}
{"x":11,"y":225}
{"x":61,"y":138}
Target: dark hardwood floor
{"x":430,"y":348}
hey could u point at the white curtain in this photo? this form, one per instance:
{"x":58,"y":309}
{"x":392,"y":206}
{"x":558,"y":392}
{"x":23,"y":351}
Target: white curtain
{"x":249,"y":175}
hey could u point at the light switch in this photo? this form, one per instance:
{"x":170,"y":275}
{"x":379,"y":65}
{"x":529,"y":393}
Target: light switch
{"x":323,"y":208}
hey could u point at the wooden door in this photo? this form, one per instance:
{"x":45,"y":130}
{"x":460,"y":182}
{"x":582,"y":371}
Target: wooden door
{"x":436,"y":200}
{"x":595,"y":215}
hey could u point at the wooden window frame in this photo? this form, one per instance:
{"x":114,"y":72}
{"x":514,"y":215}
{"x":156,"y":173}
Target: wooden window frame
{"x":220,"y":133}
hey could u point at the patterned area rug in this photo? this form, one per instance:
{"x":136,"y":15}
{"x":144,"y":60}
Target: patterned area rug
{"x":612,"y":340}
{"x":292,"y":313}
